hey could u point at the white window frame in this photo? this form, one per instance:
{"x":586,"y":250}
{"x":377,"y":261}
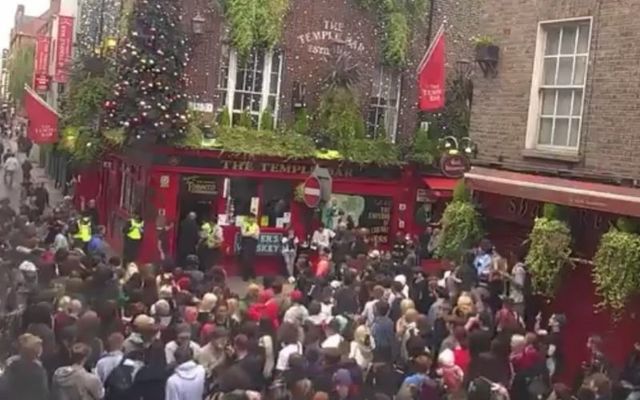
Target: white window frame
{"x":230,"y":89}
{"x":380,"y":73}
{"x":537,"y":84}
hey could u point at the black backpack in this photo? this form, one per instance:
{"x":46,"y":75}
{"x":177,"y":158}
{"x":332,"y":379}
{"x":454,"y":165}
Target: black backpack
{"x":119,"y":382}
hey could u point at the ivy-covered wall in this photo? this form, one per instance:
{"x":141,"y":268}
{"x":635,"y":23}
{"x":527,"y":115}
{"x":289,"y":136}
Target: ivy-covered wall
{"x":309,"y":28}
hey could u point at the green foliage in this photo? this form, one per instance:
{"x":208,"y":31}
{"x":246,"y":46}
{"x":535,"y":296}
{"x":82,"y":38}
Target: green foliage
{"x":224,"y":118}
{"x":628,"y":225}
{"x":258,"y":142}
{"x":554,"y":211}
{"x":460,"y":230}
{"x":301,"y":123}
{"x":240,"y":17}
{"x":20,"y":72}
{"x":82,"y":104}
{"x":482,"y":40}
{"x":266,"y":119}
{"x":396,"y":43}
{"x":461,"y":192}
{"x":149,"y":96}
{"x":339,"y":118}
{"x":255,"y":23}
{"x":244,"y":120}
{"x":397,"y":18}
{"x":376,"y":151}
{"x":616,"y":271}
{"x":549,"y":251}
{"x":423,"y":150}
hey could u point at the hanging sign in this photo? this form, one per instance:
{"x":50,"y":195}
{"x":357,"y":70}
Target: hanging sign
{"x":43,"y":120}
{"x":454,"y":165}
{"x":64,"y":49}
{"x":41,"y":64}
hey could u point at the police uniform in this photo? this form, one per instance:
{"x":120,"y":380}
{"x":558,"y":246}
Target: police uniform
{"x":132,"y":240}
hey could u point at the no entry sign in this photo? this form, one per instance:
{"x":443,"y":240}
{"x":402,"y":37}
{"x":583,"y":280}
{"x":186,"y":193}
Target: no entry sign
{"x":311,"y":193}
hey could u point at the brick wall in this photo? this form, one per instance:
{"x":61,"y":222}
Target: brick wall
{"x":301,"y":64}
{"x":611,"y":118}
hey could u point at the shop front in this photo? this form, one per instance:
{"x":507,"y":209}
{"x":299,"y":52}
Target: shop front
{"x":509,"y":202}
{"x":231,"y":187}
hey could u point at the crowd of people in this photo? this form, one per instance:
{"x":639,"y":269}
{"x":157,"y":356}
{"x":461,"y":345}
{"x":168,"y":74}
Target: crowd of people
{"x":349,"y":322}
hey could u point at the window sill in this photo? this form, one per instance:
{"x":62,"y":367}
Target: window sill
{"x":552,"y":155}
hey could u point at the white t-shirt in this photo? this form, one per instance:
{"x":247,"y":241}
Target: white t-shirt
{"x":322,"y":238}
{"x":11,"y":164}
{"x":332,"y":342}
{"x":283,"y":356}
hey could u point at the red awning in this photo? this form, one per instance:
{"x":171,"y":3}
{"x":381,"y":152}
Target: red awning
{"x":593,"y":196}
{"x":438,"y":183}
{"x":440,"y":187}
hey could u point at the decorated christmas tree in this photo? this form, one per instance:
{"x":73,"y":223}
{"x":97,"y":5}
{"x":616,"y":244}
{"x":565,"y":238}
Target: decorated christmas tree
{"x":149,"y":97}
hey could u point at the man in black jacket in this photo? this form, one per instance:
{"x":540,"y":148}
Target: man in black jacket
{"x":25,"y":378}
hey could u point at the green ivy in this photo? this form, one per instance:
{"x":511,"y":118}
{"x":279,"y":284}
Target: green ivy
{"x":20,"y":70}
{"x":255,"y":23}
{"x":266,"y":119}
{"x":301,"y":123}
{"x":339,"y":118}
{"x":423,"y":150}
{"x":82,"y":105}
{"x":397,"y":18}
{"x":616,"y":271}
{"x":244,"y":120}
{"x":461,"y":192}
{"x":224,"y":118}
{"x":461,"y":229}
{"x":549,"y":251}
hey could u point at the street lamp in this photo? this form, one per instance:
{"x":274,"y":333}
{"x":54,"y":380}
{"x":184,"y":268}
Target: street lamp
{"x":453,"y":145}
{"x":197,"y":24}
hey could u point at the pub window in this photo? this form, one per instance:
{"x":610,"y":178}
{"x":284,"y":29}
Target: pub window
{"x":384,"y":102}
{"x":251,"y":84}
{"x":558,"y":85}
{"x":242,"y":191}
{"x":276,"y":201}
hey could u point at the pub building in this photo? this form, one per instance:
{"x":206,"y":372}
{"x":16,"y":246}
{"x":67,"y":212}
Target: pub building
{"x":170,"y":182}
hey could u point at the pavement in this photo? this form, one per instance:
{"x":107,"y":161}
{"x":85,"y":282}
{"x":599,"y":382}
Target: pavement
{"x":37,"y":174}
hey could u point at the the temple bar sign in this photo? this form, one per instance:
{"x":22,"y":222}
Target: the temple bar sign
{"x":322,"y":41}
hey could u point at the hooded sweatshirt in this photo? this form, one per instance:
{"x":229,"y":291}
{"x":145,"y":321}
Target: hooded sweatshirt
{"x":75,"y":383}
{"x":186,"y":383}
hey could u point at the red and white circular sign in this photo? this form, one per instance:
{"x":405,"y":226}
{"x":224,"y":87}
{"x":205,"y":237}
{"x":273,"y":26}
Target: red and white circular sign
{"x":311,"y":192}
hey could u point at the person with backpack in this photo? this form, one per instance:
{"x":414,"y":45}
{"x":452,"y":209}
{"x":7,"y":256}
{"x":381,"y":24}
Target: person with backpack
{"x":119,"y":383}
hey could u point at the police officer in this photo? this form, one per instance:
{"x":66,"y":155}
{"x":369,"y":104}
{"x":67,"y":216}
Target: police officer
{"x":210,"y":243}
{"x":133,"y":232}
{"x":250,"y":232}
{"x":83,"y":232}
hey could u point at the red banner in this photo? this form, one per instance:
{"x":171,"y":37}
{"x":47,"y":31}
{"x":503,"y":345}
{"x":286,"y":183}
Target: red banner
{"x":64,"y":49}
{"x":41,"y":64}
{"x":432,"y":75}
{"x":43,"y":120}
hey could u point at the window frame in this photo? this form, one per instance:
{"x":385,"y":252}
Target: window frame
{"x":381,"y":109}
{"x":229,"y":89}
{"x":538,"y":86}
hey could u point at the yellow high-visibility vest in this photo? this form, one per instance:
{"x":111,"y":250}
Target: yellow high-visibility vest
{"x":135,"y":232}
{"x":84,"y":231}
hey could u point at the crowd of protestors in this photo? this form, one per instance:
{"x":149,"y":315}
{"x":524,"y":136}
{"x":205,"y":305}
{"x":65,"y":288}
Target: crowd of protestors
{"x":346,"y":321}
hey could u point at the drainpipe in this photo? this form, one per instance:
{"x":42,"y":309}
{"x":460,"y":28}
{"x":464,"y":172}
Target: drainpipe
{"x":432,"y":7}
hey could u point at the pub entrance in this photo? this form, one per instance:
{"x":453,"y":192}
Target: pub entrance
{"x":198,"y":193}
